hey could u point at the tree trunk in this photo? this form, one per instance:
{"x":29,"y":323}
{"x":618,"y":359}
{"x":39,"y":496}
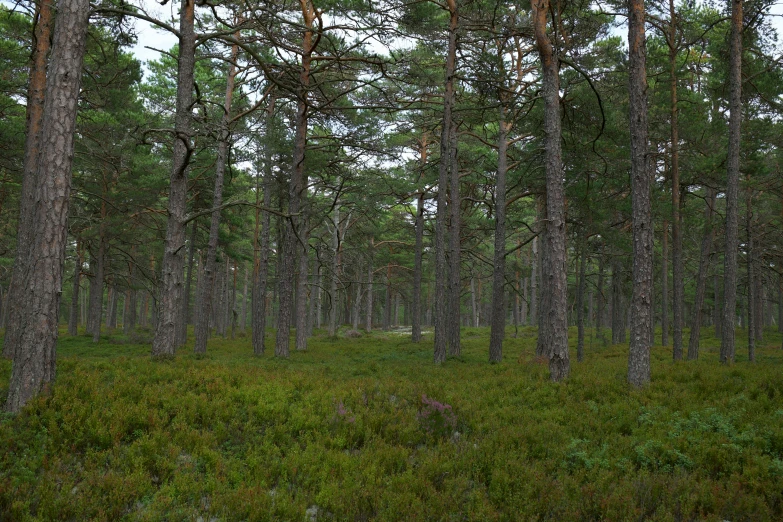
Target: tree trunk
{"x":534,"y":258}
{"x":387,"y":310}
{"x":301,"y":289}
{"x":556,"y":326}
{"x":261,"y":244}
{"x":580,"y":304}
{"x":751,"y":282}
{"x":677,"y":262}
{"x":111,"y":321}
{"x":165,"y":341}
{"x":368,"y":322}
{"x":498,"y":328}
{"x":185,"y":308}
{"x":417,"y":260}
{"x":665,"y":285}
{"x":244,"y":301}
{"x":599,"y":321}
{"x":641,"y":300}
{"x":618,"y":320}
{"x":33,"y":366}
{"x":441,"y":268}
{"x":455,"y":281}
{"x":73,"y":317}
{"x":295,"y":190}
{"x":727,"y":346}
{"x":701,"y":277}
{"x":206,"y":283}
{"x":36,"y":90}
{"x":335,"y":267}
{"x":357,"y":301}
{"x":96,"y":290}
{"x":129,"y":321}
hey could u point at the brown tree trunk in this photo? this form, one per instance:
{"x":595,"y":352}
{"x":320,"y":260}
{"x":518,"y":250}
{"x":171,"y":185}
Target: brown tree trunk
{"x":301,"y":289}
{"x":727,"y":346}
{"x":599,"y":321}
{"x":111,"y":321}
{"x":701,"y":277}
{"x":33,"y":366}
{"x":455,"y":281}
{"x":335,"y":268}
{"x":295,"y":191}
{"x":185,"y":307}
{"x":580,"y":304}
{"x":665,"y":285}
{"x":73,"y":317}
{"x":261,"y":244}
{"x":368,"y":322}
{"x":417,"y":261}
{"x":751,"y":282}
{"x":556,"y":325}
{"x":129,"y":322}
{"x":96,"y":289}
{"x":244,"y":301}
{"x":15,"y":296}
{"x":641,"y":300}
{"x":498,"y":328}
{"x":677,"y":263}
{"x":206,"y":283}
{"x":164,"y":343}
{"x":618,"y":318}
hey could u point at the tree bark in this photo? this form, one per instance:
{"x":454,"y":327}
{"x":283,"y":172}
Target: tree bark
{"x":36,"y":90}
{"x":727,"y":346}
{"x":498,"y":328}
{"x":206,"y":283}
{"x":417,"y":260}
{"x":368,"y":322}
{"x":641,"y":300}
{"x":33,"y":366}
{"x":599,"y":322}
{"x":677,"y":262}
{"x":701,"y":277}
{"x":618,"y":318}
{"x":441,"y":268}
{"x":580,"y":304}
{"x":185,"y":307}
{"x":335,"y":267}
{"x":751,"y":282}
{"x":261,"y":244}
{"x":295,"y":190}
{"x":301,"y":290}
{"x":556,"y":325}
{"x":73,"y":317}
{"x":164,"y":343}
{"x":455,"y":281}
{"x":244,"y":301}
{"x":96,"y":290}
{"x":111,"y":321}
{"x":665,"y":285}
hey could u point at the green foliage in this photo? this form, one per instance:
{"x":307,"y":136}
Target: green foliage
{"x":338,"y":430}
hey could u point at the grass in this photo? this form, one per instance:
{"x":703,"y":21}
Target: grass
{"x":341,"y":432}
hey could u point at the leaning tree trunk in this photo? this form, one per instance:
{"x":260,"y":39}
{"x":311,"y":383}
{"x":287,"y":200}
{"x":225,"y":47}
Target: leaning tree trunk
{"x":498,"y":317}
{"x":727,"y":348}
{"x":44,"y":22}
{"x":172,"y":266}
{"x":206,"y":283}
{"x":641,"y":300}
{"x":33,"y":366}
{"x":701,"y":277}
{"x":555,"y":321}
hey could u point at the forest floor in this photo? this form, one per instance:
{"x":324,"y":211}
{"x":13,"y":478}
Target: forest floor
{"x":371,"y":429}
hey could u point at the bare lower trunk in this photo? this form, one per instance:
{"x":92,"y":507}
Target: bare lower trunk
{"x":111,"y":321}
{"x":441,"y":268}
{"x":556,"y":326}
{"x":164,"y":343}
{"x":261,"y":250}
{"x":665,"y":285}
{"x":641,"y":299}
{"x":618,"y":319}
{"x":244,"y":301}
{"x":185,"y":308}
{"x":580,"y":305}
{"x":73,"y":317}
{"x":357,"y":301}
{"x":33,"y":366}
{"x":96,"y":292}
{"x":455,"y":281}
{"x":335,"y":267}
{"x":15,"y":296}
{"x":206,"y":283}
{"x":498,"y":328}
{"x":368,"y":322}
{"x":751,"y":283}
{"x":677,"y":262}
{"x":701,"y":277}
{"x":727,"y":347}
{"x":417,"y":260}
{"x":534,"y":282}
{"x":301,"y":293}
{"x":599,"y":321}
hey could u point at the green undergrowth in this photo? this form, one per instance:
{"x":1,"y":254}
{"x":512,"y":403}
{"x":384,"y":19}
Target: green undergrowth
{"x":370,"y":429}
